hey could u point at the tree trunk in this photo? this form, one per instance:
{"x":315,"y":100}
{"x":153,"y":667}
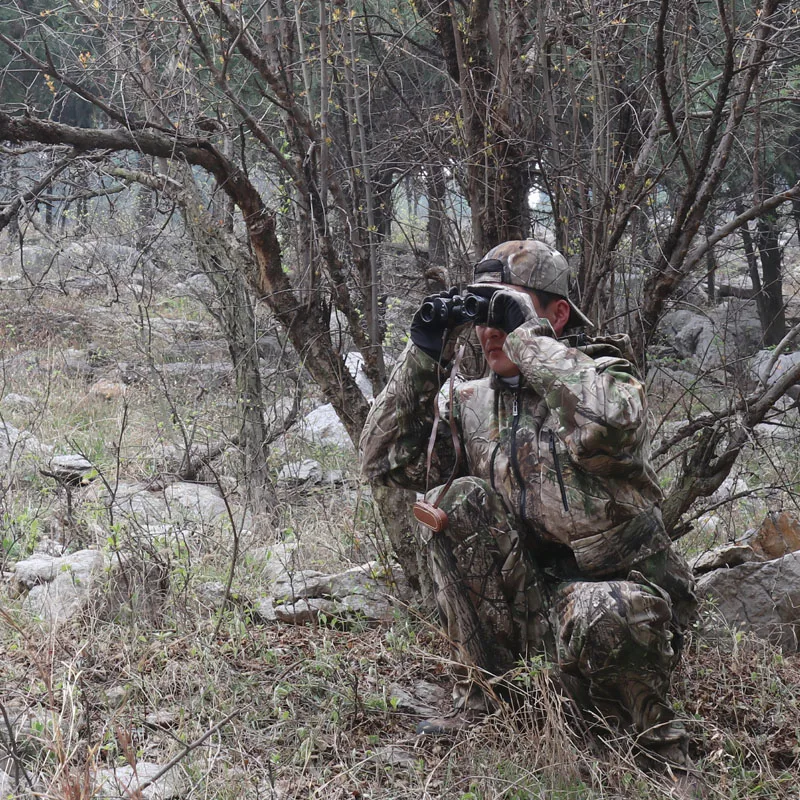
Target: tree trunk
{"x":145,"y":207}
{"x":236,"y":316}
{"x":437,"y":231}
{"x":711,"y":266}
{"x":771,"y":280}
{"x":394,"y":509}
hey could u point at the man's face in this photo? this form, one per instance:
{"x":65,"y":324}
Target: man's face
{"x":493,"y":339}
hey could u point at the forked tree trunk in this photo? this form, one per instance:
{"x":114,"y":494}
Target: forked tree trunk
{"x":769,"y":251}
{"x":236,"y":316}
{"x":394,"y":508}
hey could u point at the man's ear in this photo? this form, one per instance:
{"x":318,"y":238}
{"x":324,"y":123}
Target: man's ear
{"x":560,"y":311}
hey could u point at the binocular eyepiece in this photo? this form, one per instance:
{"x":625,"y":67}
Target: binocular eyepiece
{"x":456,"y":310}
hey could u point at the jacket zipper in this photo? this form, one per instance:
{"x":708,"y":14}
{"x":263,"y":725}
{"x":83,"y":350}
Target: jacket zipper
{"x":557,"y":465}
{"x":493,"y":459}
{"x":523,"y":490}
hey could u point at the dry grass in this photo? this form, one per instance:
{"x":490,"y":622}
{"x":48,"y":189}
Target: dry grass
{"x":315,"y":718}
{"x":314,"y":715}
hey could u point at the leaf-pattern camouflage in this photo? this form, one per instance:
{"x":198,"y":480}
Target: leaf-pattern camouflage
{"x":555,"y":543}
{"x":610,"y":641}
{"x":572,"y":462}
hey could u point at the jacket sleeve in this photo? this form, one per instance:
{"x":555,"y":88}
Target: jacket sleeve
{"x":600,"y":403}
{"x":394,"y":442}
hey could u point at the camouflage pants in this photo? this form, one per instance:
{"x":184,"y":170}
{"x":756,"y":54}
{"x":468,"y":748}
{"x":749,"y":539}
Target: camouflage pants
{"x":610,"y":641}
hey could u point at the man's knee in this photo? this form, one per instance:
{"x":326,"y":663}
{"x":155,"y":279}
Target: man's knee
{"x":468,"y":490}
{"x":471,"y":505}
{"x":601,"y":622}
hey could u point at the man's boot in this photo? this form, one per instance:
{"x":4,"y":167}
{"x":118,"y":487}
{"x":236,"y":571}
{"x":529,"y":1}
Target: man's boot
{"x":450,"y":724}
{"x":471,"y":706}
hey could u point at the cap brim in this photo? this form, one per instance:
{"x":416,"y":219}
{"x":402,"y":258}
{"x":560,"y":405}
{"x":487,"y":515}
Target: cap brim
{"x":577,"y":319}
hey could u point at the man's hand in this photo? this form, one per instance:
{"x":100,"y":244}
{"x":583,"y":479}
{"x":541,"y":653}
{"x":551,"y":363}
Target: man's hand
{"x":430,"y":329}
{"x":508,"y":309}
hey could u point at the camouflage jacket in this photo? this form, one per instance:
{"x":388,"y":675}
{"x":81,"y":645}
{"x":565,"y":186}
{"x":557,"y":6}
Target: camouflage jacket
{"x":567,"y":449}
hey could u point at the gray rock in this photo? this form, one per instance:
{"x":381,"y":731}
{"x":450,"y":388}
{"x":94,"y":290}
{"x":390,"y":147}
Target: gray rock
{"x":180,"y":502}
{"x":40,"y":568}
{"x":211,"y":593}
{"x":729,"y":555}
{"x":323,"y":426}
{"x":7,"y":785}
{"x":367,"y":606}
{"x":123,"y":782}
{"x":265,"y":607}
{"x":692,"y":336}
{"x":70,"y":469}
{"x":366,"y":579}
{"x":309,"y":610}
{"x":299,"y":472}
{"x":730,"y":486}
{"x":20,"y":450}
{"x":18,"y":402}
{"x":274,"y":562}
{"x":738,"y":324}
{"x":783,"y":364}
{"x":710,"y":525}
{"x":302,"y":612}
{"x":363,"y":592}
{"x":59,"y":588}
{"x":295,"y":584}
{"x":136,"y":501}
{"x":726,"y":333}
{"x":763,"y":598}
{"x":355,"y":364}
{"x":203,"y":502}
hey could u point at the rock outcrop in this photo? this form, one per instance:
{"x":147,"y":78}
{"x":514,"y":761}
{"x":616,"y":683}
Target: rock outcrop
{"x":753,"y":585}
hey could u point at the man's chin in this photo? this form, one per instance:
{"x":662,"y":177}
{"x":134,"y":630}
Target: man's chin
{"x":502,"y":367}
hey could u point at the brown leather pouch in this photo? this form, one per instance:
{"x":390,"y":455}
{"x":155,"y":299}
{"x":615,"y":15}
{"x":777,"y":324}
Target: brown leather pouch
{"x":430,"y":516}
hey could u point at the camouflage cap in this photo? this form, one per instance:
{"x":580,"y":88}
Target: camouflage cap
{"x":531,"y":265}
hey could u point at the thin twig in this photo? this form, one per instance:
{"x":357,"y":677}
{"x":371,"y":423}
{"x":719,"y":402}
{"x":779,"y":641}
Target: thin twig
{"x":188,"y":749}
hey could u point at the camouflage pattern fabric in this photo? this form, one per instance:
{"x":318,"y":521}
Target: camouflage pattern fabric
{"x":555,"y":489}
{"x":611,"y":641}
{"x":567,"y":450}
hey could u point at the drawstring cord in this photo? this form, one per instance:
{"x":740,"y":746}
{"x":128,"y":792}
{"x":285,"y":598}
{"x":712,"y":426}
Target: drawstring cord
{"x":429,"y":514}
{"x":560,"y":477}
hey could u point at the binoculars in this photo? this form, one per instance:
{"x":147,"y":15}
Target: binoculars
{"x":456,"y":310}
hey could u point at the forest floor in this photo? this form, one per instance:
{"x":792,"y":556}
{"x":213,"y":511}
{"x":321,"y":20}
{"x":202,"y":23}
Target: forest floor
{"x":245,"y":708}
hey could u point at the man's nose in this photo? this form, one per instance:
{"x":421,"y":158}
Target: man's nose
{"x":494,"y":333}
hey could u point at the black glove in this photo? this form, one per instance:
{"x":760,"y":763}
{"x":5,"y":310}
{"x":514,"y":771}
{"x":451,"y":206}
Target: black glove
{"x":432,"y":325}
{"x":508,"y":309}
